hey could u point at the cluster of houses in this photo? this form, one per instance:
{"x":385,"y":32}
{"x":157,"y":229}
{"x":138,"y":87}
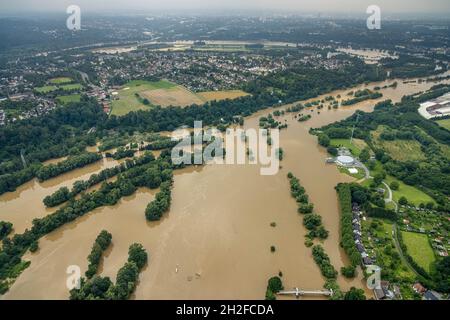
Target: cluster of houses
{"x":438,"y":245}
{"x":42,"y":106}
{"x":357,"y":235}
{"x":425,"y":293}
{"x":387,"y":291}
{"x":102,"y":97}
{"x":2,"y":117}
{"x":203,"y":70}
{"x":197,"y":71}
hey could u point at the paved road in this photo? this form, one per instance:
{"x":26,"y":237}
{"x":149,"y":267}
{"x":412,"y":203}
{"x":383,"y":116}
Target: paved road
{"x":367,"y":172}
{"x":389,"y":198}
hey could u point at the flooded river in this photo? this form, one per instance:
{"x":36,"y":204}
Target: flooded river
{"x":215,"y":241}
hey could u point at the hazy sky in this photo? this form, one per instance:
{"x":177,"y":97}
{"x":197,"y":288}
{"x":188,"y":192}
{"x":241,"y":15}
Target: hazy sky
{"x":298,"y":6}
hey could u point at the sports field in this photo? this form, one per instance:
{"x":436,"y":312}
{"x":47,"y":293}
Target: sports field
{"x":46,"y":89}
{"x":70,"y":87}
{"x":58,"y":83}
{"x":221,"y":95}
{"x":69,"y":98}
{"x":419,"y":249}
{"x":60,"y":80}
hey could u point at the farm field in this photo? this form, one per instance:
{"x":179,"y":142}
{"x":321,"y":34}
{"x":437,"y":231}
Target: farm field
{"x":419,"y":249}
{"x":414,"y":195}
{"x":173,"y":96}
{"x":69,"y":98}
{"x":221,"y":95}
{"x":162,"y":93}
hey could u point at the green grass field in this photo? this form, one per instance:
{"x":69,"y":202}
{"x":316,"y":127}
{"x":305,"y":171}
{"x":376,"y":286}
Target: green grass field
{"x":69,"y":98}
{"x":414,"y":195}
{"x":401,"y":150}
{"x":128,"y":102}
{"x":419,"y":249}
{"x":60,"y":80}
{"x":354,"y":147}
{"x":444,"y":123}
{"x":70,"y":87}
{"x":46,"y":89}
{"x":361,"y":173}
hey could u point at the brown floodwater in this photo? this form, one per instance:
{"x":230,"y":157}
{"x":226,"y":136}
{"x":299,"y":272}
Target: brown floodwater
{"x":25,"y":204}
{"x":215,"y":241}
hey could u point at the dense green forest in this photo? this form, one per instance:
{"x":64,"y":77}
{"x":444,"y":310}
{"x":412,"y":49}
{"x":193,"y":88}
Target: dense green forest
{"x":60,"y":133}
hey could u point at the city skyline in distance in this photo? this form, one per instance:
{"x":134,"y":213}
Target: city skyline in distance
{"x":344,"y":7}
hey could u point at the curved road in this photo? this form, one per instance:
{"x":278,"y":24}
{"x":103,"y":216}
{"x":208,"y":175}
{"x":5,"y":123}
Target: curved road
{"x":389,"y":198}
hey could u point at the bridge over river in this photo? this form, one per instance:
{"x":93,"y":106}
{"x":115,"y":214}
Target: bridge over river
{"x":299,"y":292}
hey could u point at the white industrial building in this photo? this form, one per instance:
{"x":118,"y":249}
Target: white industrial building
{"x":436,"y":108}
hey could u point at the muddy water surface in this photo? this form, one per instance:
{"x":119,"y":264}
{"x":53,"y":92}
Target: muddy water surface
{"x":215,"y":241}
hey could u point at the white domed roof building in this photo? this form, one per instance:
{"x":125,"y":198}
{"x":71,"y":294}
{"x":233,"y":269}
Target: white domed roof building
{"x":345,"y":161}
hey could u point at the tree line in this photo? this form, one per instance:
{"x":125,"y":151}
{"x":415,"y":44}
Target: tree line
{"x":5,"y":229}
{"x":53,"y":170}
{"x":102,"y":288}
{"x":63,"y":194}
{"x":100,"y":245}
{"x":346,"y":227}
{"x":323,"y":261}
{"x":121,"y":153}
{"x":311,"y":221}
{"x":161,"y":204}
{"x":358,"y":99}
